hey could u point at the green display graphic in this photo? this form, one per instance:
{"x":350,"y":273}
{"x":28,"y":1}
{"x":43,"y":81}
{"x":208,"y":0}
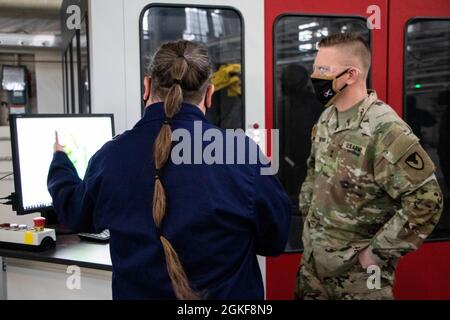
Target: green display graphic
{"x":77,"y":154}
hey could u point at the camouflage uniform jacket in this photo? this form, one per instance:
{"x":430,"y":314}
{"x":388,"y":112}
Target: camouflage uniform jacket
{"x":369,"y":184}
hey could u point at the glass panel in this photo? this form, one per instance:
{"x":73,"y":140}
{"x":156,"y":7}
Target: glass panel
{"x":296,"y":107}
{"x":64,"y":78}
{"x":427,"y":98}
{"x":70,"y":78}
{"x":220,"y":31}
{"x":84,"y":77}
{"x":75,"y":73}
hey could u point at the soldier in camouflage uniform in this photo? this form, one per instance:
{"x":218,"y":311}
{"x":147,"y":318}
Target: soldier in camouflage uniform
{"x":370,"y":195}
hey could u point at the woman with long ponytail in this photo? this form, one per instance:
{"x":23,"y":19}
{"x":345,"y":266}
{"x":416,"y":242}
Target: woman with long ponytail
{"x":163,"y":143}
{"x":184,"y":231}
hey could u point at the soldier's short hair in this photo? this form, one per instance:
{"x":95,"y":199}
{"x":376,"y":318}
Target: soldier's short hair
{"x":353,"y":42}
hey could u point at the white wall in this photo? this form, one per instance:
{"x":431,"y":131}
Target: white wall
{"x":32,"y":280}
{"x":107,"y":54}
{"x":49,"y":82}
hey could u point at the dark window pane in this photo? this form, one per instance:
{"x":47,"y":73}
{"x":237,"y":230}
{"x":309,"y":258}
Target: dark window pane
{"x":427,"y":98}
{"x":64,"y":77}
{"x":220,"y":30}
{"x":296,"y":108}
{"x":85,"y":102}
{"x":76,"y":78}
{"x":70,"y":85}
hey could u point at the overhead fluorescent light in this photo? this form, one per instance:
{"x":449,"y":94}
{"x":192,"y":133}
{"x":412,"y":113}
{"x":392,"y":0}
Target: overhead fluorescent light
{"x":307,"y":25}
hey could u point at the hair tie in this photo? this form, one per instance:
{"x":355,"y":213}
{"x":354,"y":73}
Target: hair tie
{"x":177,"y":81}
{"x":167,"y":121}
{"x":157,"y":174}
{"x":158,"y":232}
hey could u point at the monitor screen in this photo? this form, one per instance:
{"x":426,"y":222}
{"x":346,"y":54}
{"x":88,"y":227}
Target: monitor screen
{"x":32,"y":139}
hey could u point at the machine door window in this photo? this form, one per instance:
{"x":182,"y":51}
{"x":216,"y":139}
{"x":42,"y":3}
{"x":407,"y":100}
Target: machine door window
{"x":76,"y":70}
{"x":76,"y":75}
{"x":427,"y":98}
{"x":85,"y":97}
{"x":296,"y":107}
{"x":70,"y":92}
{"x":220,"y":30}
{"x":65,"y":81}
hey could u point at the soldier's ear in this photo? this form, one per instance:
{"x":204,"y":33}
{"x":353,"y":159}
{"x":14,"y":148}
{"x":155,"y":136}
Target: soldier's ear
{"x":352,"y":76}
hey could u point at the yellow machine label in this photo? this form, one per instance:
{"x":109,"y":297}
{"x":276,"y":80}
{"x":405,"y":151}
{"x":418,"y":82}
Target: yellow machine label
{"x":28,"y":237}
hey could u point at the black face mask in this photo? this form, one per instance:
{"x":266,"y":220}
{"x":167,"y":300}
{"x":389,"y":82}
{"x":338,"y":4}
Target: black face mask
{"x":325,"y":88}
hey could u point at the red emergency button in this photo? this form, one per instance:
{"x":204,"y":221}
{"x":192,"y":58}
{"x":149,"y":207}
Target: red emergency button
{"x":39,"y":223}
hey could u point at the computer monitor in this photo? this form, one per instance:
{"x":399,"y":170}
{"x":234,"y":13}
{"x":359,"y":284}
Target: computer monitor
{"x":32,"y":139}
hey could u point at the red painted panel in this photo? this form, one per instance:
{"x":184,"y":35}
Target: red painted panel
{"x":274,"y":8}
{"x":401,"y":12}
{"x":280,"y":276}
{"x":423,"y":274}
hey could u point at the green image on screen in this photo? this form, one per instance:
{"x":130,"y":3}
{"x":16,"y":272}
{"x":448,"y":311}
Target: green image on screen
{"x":77,"y":154}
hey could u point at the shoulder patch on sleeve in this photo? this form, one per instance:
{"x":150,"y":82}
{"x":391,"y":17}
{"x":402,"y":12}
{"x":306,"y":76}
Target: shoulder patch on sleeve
{"x":415,"y":161}
{"x":401,"y":144}
{"x":417,"y":164}
{"x":409,"y":158}
{"x":402,"y":164}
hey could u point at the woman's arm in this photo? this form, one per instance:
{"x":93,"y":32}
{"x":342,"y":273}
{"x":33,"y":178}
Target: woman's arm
{"x":73,"y":198}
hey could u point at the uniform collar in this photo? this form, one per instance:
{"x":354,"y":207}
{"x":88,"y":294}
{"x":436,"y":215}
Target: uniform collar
{"x":155,"y":112}
{"x":354,"y":122}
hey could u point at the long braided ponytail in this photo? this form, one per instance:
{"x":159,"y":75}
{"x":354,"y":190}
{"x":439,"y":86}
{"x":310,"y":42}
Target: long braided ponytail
{"x":180,"y":72}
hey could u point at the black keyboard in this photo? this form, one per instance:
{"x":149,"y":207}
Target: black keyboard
{"x":95,"y":237}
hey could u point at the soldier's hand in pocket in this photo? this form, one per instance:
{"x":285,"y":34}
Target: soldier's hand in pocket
{"x":367,"y":258}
